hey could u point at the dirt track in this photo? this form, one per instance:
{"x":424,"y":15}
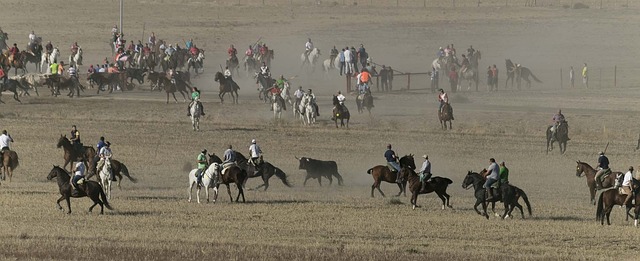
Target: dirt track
{"x":153,"y":220}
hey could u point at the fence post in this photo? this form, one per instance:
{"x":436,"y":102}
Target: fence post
{"x":561,"y":80}
{"x":348,"y":77}
{"x":615,"y":76}
{"x":408,"y":81}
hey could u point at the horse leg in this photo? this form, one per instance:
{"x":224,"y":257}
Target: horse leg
{"x":198,"y":194}
{"x":414,"y":199}
{"x":68,"y":204}
{"x":58,"y":202}
{"x":240,"y":192}
{"x":174,"y":97}
{"x":229,"y":191}
{"x":190,"y":191}
{"x":444,"y":200}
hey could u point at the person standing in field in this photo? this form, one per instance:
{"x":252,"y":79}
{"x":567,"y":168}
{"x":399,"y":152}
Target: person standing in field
{"x":571,"y":76}
{"x":494,"y":75}
{"x":585,"y":75}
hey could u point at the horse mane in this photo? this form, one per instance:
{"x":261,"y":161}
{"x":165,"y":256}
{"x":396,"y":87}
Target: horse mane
{"x":584,"y":163}
{"x":60,"y":171}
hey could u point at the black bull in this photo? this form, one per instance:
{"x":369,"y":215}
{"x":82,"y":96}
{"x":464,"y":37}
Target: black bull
{"x":317,"y":169}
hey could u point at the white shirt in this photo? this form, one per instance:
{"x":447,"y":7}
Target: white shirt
{"x":359,"y":81}
{"x":79,"y":169}
{"x":106,"y":152}
{"x":628,"y":177}
{"x":72,"y":71}
{"x":264,"y":70}
{"x":255,"y":150}
{"x":227,"y":73}
{"x":341,"y":98}
{"x":32,"y":38}
{"x":308,"y":46}
{"x":114,"y":30}
{"x":102,"y":69}
{"x":5,"y":140}
{"x":426,"y":167}
{"x":299,"y":93}
{"x":347,"y":56}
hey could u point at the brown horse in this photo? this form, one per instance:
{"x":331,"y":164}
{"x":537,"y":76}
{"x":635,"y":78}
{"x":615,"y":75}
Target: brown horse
{"x":16,"y":63}
{"x":590,"y":173}
{"x":118,"y":168}
{"x":9,"y":163}
{"x":233,"y":174}
{"x":445,"y":115}
{"x":170,"y":88}
{"x":71,"y":155}
{"x":89,"y":189}
{"x":227,"y":86}
{"x":382,"y":173}
{"x":606,"y":201}
{"x":436,"y":184}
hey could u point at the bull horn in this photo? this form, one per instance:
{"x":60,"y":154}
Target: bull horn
{"x":296,"y":157}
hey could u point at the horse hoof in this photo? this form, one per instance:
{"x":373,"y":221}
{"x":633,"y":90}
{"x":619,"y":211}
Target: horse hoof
{"x":189,"y":200}
{"x":414,"y":207}
{"x":496,"y":214}
{"x":442,"y":207}
{"x":506,"y":216}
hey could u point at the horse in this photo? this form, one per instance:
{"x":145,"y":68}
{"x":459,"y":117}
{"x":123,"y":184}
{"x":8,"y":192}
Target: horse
{"x":250,"y":65}
{"x":105,"y":177}
{"x":589,"y":172}
{"x":471,"y":75}
{"x":265,"y":83}
{"x":508,"y":194}
{"x":75,"y":60}
{"x":13,"y":85}
{"x":227,"y":86}
{"x":266,"y":170}
{"x":436,"y":184}
{"x":511,"y":73}
{"x":609,"y":198}
{"x":3,"y":40}
{"x":382,"y":173}
{"x":90,"y":189}
{"x":328,"y":64}
{"x":196,"y":63}
{"x":48,"y":59}
{"x":71,"y":154}
{"x":118,"y":168}
{"x":16,"y":63}
{"x":194,"y":110}
{"x":562,"y":136}
{"x":277,"y":104}
{"x":9,"y":163}
{"x":340,"y":112}
{"x":35,"y":58}
{"x":365,"y":101}
{"x":233,"y":174}
{"x":171,"y":88}
{"x":311,"y":59}
{"x":445,"y":115}
{"x":310,"y":113}
{"x":209,"y":180}
{"x":233,"y":64}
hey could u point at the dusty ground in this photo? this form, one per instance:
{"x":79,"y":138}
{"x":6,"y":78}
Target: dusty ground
{"x":153,"y":220}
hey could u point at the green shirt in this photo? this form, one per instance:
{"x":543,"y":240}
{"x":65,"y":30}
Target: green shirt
{"x":504,"y":175}
{"x":195,"y":95}
{"x":280,"y":83}
{"x":202,"y":157}
{"x":54,"y":68}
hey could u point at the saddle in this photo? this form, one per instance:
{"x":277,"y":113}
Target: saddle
{"x":226,"y":166}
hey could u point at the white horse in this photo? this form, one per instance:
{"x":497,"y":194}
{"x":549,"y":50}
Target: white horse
{"x":194,"y":109}
{"x":105,"y":177}
{"x":312,"y":59}
{"x":436,"y":64}
{"x":75,"y":60}
{"x":309,"y":110}
{"x":47,"y":59}
{"x":326,"y":65}
{"x":277,"y":108}
{"x":209,"y":180}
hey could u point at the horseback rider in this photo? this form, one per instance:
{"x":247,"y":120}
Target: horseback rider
{"x":232,"y":52}
{"x":443,"y":98}
{"x":3,"y":76}
{"x":229,"y":155}
{"x":264,"y":70}
{"x":227,"y":73}
{"x":152,"y":39}
{"x":255,"y":152}
{"x":202,"y":165}
{"x":392,"y":160}
{"x":194,"y":51}
{"x":504,"y":174}
{"x":440,"y":53}
{"x":557,"y":119}
{"x":465,"y":64}
{"x":471,"y":51}
{"x":100,"y":144}
{"x":114,"y":30}
{"x":492,"y":177}
{"x":15,"y":53}
{"x":32,"y":38}
{"x":313,"y":102}
{"x":281,"y":82}
{"x":48,"y":47}
{"x":195,"y":97}
{"x":341,"y":98}
{"x":276,"y":93}
{"x":603,"y":168}
{"x":75,"y":139}
{"x":299,"y":93}
{"x":425,"y":172}
{"x":249,"y":52}
{"x":363,"y":81}
{"x":78,"y":175}
{"x":308,"y":47}
{"x":332,"y":57}
{"x":105,"y":154}
{"x":75,"y":46}
{"x":264,"y":50}
{"x":5,"y":140}
{"x":188,"y":44}
{"x":626,"y":188}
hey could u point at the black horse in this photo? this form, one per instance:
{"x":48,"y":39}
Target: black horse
{"x":227,"y":86}
{"x":365,"y":101}
{"x":562,"y":136}
{"x":266,"y":170}
{"x":507,"y":193}
{"x":340,"y":112}
{"x":12,"y":85}
{"x":265,"y":83}
{"x":436,"y":184}
{"x":89,"y":189}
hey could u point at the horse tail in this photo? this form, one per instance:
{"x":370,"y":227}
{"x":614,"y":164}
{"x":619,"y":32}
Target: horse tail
{"x":125,"y":172}
{"x":280,"y":174}
{"x":370,"y":171}
{"x":103,"y":197}
{"x":534,"y":77}
{"x":599,"y":211}
{"x":526,"y":200}
{"x":447,"y":181}
{"x":14,"y":162}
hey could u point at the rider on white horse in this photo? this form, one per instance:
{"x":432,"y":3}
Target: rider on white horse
{"x":195,"y":97}
{"x":308,"y":47}
{"x":298,"y":94}
{"x":202,"y":165}
{"x":105,"y":154}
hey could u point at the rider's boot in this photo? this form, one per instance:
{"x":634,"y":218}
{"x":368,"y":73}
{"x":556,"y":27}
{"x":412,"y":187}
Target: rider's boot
{"x":113,"y":176}
{"x":422,"y":185}
{"x":201,"y":110}
{"x":490,"y":190}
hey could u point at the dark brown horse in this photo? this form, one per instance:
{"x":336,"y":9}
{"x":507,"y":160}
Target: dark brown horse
{"x":170,"y":88}
{"x":9,"y":163}
{"x":436,"y":184}
{"x":445,"y":115}
{"x":71,"y":155}
{"x":89,"y":189}
{"x":227,"y":86}
{"x":606,"y":201}
{"x":266,"y":170}
{"x":507,"y":193}
{"x":562,"y":136}
{"x":118,"y":168}
{"x":340,"y":112}
{"x":590,"y":173}
{"x":233,"y":174}
{"x":382,"y":173}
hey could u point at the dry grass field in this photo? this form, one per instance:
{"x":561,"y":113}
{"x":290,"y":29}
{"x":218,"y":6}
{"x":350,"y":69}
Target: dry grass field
{"x":152,"y":219}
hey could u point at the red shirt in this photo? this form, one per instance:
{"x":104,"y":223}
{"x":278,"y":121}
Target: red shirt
{"x":264,"y":50}
{"x":194,"y":51}
{"x":232,"y":51}
{"x":453,"y":75}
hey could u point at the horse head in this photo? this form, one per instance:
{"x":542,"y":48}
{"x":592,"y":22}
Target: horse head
{"x":55,"y":172}
{"x":472,"y":179}
{"x":583,"y":167}
{"x":408,"y":161}
{"x":62,"y":141}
